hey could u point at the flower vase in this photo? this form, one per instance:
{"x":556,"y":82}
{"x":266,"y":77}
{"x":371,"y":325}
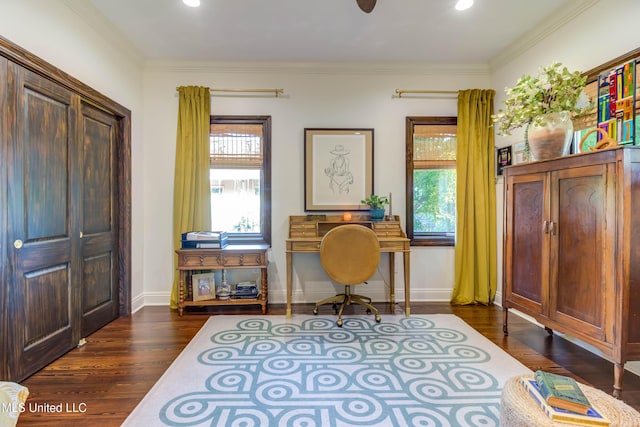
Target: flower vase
{"x":551,"y":139}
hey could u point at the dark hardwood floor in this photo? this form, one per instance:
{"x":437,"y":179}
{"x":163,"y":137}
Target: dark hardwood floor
{"x":101,"y":382}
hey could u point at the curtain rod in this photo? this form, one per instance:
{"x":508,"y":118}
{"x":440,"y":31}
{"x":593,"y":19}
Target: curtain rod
{"x":400,"y":92}
{"x":276,"y":92}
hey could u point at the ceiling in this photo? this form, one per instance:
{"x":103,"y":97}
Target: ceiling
{"x":429,"y":31}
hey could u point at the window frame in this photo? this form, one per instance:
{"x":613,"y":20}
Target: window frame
{"x":264,"y":236}
{"x":422,"y":239}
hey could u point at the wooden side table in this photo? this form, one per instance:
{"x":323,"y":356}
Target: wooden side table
{"x":228,"y":258}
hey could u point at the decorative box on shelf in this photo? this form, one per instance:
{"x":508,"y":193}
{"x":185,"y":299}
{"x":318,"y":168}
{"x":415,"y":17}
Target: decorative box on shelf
{"x":204,"y":239}
{"x":246,"y":290}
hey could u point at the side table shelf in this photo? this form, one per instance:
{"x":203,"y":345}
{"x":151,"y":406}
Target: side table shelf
{"x":231,"y":257}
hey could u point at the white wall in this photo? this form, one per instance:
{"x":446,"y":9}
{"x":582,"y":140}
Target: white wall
{"x":54,"y":31}
{"x":316,"y":95}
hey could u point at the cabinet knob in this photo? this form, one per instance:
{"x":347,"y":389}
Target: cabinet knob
{"x":552,"y":228}
{"x":545,"y":227}
{"x":17,"y":244}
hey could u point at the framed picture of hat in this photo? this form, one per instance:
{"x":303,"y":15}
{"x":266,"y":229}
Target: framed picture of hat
{"x":338,"y":169}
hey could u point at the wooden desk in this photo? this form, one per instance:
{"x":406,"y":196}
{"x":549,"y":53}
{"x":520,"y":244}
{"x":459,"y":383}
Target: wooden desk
{"x":306,"y":232}
{"x":228,"y":258}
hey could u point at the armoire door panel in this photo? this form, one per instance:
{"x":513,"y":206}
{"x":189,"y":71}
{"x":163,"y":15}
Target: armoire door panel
{"x":526,"y":240}
{"x":578,"y":287}
{"x":99,"y":285}
{"x":42,"y":196}
{"x":632,"y":322}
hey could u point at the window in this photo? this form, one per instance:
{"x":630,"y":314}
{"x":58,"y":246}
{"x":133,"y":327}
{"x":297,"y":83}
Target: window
{"x":240,"y":162}
{"x":431,"y":180}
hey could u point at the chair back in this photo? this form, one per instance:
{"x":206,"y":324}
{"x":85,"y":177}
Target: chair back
{"x":350,"y":254}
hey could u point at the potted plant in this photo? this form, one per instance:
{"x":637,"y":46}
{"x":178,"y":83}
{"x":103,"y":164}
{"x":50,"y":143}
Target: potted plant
{"x":376,"y":206}
{"x":544,"y":104}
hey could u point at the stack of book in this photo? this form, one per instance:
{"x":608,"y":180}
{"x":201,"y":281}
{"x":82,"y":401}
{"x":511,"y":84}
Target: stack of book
{"x":562,"y":400}
{"x":204,"y":240}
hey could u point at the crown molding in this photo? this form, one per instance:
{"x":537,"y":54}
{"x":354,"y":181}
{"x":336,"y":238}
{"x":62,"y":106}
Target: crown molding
{"x":354,"y":68}
{"x":549,"y":25}
{"x":109,"y":32}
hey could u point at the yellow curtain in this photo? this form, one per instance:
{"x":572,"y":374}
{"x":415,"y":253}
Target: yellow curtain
{"x":475,"y":252}
{"x":191,"y":191}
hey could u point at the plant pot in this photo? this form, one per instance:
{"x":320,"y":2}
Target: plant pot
{"x":553,"y":139}
{"x":376,"y":214}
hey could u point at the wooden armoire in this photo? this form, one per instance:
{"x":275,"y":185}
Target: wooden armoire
{"x":65,"y":222}
{"x":572,"y":249}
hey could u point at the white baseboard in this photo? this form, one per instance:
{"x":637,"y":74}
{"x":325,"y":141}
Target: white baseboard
{"x":306,"y":297}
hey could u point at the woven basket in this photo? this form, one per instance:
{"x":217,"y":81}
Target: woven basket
{"x":518,"y":409}
{"x":605,"y":141}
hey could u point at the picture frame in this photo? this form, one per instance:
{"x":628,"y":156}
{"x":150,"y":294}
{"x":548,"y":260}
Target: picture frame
{"x":203,"y":286}
{"x":503,"y":158}
{"x":519,"y":152}
{"x":338,"y":168}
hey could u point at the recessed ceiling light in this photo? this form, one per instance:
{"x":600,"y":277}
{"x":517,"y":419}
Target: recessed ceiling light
{"x":191,"y":3}
{"x":464,"y":4}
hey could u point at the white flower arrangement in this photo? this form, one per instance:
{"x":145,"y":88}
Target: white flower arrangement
{"x":555,"y":89}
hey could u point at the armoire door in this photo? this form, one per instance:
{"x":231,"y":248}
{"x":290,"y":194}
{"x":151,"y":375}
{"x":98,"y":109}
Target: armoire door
{"x":42,"y":220}
{"x":526,"y":246}
{"x":99,"y":285}
{"x":583,"y":244}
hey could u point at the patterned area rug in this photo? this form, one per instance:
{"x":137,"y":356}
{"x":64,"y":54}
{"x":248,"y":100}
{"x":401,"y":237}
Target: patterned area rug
{"x":425,"y":370}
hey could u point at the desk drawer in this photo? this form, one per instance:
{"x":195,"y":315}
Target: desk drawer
{"x":387,"y":229}
{"x":393,"y":246}
{"x":305,"y":246}
{"x":244,"y":259}
{"x":389,"y":233}
{"x":200,"y":260}
{"x":304,"y":229}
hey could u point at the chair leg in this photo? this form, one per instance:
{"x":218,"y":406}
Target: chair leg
{"x":357,"y":299}
{"x":331,"y":300}
{"x":347,"y":299}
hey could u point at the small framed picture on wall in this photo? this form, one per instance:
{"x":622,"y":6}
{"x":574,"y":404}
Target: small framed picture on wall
{"x":503,"y":158}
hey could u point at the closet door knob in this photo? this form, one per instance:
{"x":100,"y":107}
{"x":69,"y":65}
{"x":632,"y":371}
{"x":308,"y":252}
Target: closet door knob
{"x":17,"y":244}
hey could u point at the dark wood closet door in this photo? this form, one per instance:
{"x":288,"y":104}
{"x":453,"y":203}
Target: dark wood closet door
{"x":43,"y":198}
{"x":99,"y":215}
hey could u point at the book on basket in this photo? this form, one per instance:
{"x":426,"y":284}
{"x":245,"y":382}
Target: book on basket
{"x":562,"y":392}
{"x":592,"y":418}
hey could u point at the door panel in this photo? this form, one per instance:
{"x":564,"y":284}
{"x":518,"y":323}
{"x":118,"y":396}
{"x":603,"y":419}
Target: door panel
{"x":99,"y":273}
{"x":525,"y":213}
{"x":42,"y":290}
{"x":4,"y":241}
{"x":578,"y":289}
{"x":44,"y":276}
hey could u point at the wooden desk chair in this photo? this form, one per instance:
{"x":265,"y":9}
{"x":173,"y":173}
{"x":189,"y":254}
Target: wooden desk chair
{"x":350,"y":255}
